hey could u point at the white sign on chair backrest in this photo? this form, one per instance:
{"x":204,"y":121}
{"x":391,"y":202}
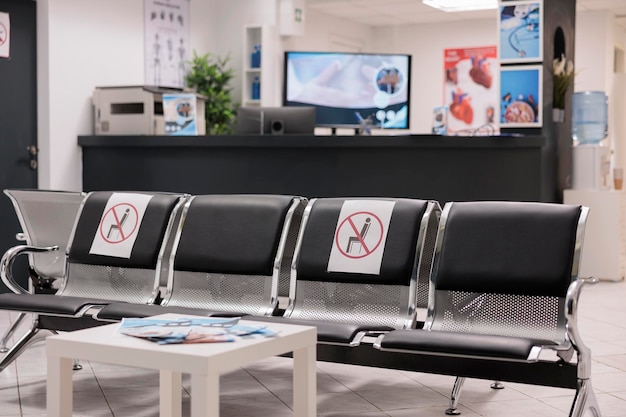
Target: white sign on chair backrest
{"x":119,"y":225}
{"x":360,"y":236}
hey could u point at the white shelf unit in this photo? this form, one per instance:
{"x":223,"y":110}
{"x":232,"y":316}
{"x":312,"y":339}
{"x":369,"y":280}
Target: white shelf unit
{"x":604,"y":246}
{"x":266,"y":37}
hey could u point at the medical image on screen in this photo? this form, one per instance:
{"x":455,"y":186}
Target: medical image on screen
{"x":347,"y":87}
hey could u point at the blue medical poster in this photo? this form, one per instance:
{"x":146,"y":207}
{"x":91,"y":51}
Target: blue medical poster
{"x":520,"y":96}
{"x":520,"y":27}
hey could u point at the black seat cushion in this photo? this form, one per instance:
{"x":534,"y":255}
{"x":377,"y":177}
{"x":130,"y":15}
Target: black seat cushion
{"x":47,"y":303}
{"x":399,"y":256}
{"x":149,"y":238}
{"x":462,"y":344}
{"x":327,"y":332}
{"x":508,"y":248}
{"x":118,"y":311}
{"x":232,"y":234}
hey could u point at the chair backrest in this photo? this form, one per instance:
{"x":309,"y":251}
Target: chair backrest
{"x":47,"y":218}
{"x":363,"y":260}
{"x":231,"y":251}
{"x":503,"y":268}
{"x":117,"y":245}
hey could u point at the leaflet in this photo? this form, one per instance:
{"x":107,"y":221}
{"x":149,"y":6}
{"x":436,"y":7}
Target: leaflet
{"x":191,"y":330}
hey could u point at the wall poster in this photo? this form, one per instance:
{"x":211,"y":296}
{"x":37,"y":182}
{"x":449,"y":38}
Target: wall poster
{"x":520,"y":27}
{"x":520,"y":92}
{"x":471,"y":90}
{"x":166,"y":42}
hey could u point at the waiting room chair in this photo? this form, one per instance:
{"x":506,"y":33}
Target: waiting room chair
{"x":503,"y":300}
{"x":46,"y":218}
{"x":228,"y":257}
{"x":334,"y":286}
{"x":97,"y":272}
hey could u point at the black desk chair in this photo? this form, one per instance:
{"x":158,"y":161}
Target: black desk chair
{"x":503,"y":300}
{"x":228,"y":258}
{"x":344,"y":298}
{"x":94,"y":276}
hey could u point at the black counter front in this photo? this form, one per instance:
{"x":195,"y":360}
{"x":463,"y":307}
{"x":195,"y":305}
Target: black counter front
{"x":418,"y":166}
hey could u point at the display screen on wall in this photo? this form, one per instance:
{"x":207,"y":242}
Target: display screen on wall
{"x":520,"y":92}
{"x":520,"y":27}
{"x":347,"y":87}
{"x":471,"y":90}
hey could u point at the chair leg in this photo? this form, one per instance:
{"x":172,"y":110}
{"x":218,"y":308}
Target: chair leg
{"x":31,"y":336}
{"x":454,"y":396}
{"x":7,"y":335}
{"x":76,"y":366}
{"x":497,"y":385}
{"x":585,"y":400}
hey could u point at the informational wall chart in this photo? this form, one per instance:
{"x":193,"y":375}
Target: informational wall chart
{"x":166,"y":42}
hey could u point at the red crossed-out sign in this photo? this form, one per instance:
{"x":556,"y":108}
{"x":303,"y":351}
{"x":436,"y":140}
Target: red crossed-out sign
{"x":119,"y":223}
{"x":359,"y":235}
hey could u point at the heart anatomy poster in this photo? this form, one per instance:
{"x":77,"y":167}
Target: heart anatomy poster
{"x":471,"y":90}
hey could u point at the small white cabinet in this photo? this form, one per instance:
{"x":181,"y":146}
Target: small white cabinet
{"x":264,"y":68}
{"x":604,"y":246}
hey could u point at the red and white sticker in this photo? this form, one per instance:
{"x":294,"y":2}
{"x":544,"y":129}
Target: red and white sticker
{"x":119,"y":225}
{"x":360,"y":236}
{"x":5,"y":34}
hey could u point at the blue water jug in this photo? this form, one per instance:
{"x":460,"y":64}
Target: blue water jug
{"x":590,"y":117}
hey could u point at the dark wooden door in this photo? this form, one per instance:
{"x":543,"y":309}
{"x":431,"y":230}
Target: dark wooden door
{"x":18,"y":116}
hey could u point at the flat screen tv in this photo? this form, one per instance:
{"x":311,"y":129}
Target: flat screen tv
{"x":347,"y":87}
{"x":276,"y":120}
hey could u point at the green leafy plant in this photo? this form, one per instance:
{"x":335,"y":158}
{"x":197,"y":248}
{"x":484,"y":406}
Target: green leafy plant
{"x":209,"y":75}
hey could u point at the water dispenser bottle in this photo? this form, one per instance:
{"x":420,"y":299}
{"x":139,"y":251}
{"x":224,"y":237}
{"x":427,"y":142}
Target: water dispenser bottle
{"x":590,"y":117}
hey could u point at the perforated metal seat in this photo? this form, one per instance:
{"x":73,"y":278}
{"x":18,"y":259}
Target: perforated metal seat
{"x":504,"y":288}
{"x":229,"y":254}
{"x":114,"y":255}
{"x":341,"y":299}
{"x":34,"y":210}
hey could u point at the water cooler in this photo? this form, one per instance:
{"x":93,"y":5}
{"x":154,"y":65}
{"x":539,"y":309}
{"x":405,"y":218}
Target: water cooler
{"x":591,"y":161}
{"x":604,"y":249}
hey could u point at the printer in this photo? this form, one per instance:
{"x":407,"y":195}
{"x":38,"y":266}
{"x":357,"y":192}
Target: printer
{"x":138,"y":110}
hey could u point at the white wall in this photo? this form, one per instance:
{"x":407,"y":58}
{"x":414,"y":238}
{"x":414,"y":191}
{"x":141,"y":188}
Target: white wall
{"x":594,"y":50}
{"x":81,"y":44}
{"x":328,"y":33}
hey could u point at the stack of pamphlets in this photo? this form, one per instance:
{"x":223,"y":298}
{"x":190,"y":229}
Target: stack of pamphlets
{"x":188,"y":330}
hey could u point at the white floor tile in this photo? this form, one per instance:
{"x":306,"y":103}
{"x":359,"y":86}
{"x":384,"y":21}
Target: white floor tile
{"x":265,"y":388}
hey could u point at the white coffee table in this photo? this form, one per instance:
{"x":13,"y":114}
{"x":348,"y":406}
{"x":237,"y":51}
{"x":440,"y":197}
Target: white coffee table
{"x":205,"y":362}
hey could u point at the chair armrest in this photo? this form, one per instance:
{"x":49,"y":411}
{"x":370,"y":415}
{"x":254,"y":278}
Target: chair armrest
{"x":571,"y":325}
{"x":6,"y":264}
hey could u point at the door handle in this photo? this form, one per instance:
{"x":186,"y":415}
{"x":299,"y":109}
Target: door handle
{"x":32,"y":153}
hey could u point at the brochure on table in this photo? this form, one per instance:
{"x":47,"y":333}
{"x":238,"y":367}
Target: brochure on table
{"x":191,"y":330}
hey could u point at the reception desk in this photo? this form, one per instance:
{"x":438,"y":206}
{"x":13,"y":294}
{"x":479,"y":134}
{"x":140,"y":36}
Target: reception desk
{"x":418,"y":166}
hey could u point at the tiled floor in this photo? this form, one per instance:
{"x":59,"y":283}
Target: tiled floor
{"x":264,"y":389}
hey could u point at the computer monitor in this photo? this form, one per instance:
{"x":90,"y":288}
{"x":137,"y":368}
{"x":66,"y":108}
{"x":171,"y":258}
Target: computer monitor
{"x":276,"y":120}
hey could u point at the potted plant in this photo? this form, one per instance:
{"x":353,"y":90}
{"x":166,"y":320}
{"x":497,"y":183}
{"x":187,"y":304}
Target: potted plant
{"x":209,"y":76}
{"x":563,"y":76}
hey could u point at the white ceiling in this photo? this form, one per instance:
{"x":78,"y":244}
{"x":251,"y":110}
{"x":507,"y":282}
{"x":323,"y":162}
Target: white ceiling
{"x":402,"y":12}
